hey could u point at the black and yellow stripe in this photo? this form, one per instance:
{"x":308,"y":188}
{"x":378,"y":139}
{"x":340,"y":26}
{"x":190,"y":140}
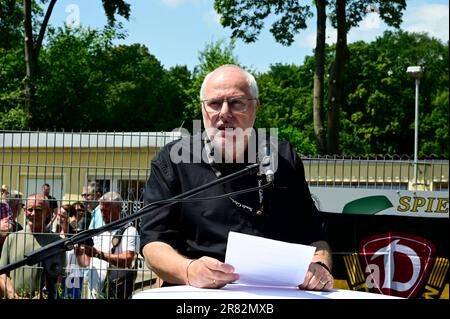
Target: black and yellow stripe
{"x":354,"y":270}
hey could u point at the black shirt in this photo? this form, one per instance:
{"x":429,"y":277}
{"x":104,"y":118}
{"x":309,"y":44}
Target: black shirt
{"x":201,"y":228}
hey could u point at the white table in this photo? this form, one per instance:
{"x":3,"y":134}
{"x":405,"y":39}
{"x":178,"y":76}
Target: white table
{"x":238,"y":291}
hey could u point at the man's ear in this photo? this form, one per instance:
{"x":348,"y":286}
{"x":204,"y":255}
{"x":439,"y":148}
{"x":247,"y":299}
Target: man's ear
{"x":257,"y":105}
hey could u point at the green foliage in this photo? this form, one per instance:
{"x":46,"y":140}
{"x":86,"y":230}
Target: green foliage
{"x":299,"y":139}
{"x":390,"y":11}
{"x":286,"y":104}
{"x":10,"y":22}
{"x":379,"y":117}
{"x":86,"y":83}
{"x":435,"y":124}
{"x":15,"y":118}
{"x":246,"y":18}
{"x":11,"y":96}
{"x":214,"y":55}
{"x":113,"y":7}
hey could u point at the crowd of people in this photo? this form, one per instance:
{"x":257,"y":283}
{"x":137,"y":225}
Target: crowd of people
{"x":107,"y":262}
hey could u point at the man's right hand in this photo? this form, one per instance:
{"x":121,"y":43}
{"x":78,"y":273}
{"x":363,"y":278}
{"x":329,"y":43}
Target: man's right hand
{"x":207,"y":272}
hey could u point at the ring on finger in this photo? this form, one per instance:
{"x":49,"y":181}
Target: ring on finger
{"x":214,"y":282}
{"x":323,"y":283}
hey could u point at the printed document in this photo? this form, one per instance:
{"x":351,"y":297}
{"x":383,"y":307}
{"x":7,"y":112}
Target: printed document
{"x":265,"y":262}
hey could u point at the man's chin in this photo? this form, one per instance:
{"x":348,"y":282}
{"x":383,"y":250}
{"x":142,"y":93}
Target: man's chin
{"x":228,"y":151}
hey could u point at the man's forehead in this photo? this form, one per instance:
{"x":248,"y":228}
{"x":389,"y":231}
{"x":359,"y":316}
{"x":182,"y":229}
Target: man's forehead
{"x":35,"y":201}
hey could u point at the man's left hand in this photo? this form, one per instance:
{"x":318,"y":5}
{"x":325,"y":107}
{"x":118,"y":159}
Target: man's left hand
{"x":317,"y":278}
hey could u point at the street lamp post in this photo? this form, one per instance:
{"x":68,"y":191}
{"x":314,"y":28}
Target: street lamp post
{"x":416,"y":72}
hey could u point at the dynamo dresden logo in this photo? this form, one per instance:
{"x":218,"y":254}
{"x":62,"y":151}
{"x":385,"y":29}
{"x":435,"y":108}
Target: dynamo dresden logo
{"x":396,"y":264}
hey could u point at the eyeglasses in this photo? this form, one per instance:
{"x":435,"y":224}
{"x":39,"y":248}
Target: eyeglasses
{"x":36,"y":209}
{"x":80,"y":210}
{"x":238,"y":104}
{"x":87,"y":194}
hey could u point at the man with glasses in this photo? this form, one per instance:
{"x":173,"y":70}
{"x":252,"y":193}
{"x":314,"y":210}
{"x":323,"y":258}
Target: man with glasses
{"x":29,"y":281}
{"x":115,"y":252}
{"x":82,"y":219}
{"x":185,"y":244}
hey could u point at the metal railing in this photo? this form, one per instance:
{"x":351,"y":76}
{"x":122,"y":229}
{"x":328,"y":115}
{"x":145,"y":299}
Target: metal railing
{"x":120,"y":161}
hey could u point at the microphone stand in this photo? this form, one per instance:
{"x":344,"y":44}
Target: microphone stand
{"x":65,"y":244}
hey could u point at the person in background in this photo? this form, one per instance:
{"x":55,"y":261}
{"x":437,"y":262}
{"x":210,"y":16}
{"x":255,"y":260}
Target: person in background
{"x":91,"y":193}
{"x":4,"y":192}
{"x":185,"y":244}
{"x":5,"y":210}
{"x":29,"y":281}
{"x":5,"y":217}
{"x":116,"y":249}
{"x":9,"y":224}
{"x":63,"y":226}
{"x":53,"y":206}
{"x":52,"y":200}
{"x":82,"y":218}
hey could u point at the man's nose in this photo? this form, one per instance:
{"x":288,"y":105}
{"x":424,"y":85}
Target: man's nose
{"x":225,"y":110}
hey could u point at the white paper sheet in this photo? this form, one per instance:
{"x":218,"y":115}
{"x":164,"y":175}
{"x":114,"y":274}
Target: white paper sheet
{"x":238,"y":291}
{"x":262,"y":261}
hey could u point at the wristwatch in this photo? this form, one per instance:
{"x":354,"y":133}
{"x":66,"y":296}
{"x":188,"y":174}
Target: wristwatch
{"x":100,"y":255}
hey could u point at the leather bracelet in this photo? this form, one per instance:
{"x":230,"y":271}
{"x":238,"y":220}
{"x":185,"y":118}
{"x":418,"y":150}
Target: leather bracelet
{"x":187,"y":271}
{"x":323,"y":265}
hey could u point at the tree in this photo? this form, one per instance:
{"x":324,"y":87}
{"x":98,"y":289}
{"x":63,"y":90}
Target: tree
{"x":245,"y":18}
{"x":85,"y":82}
{"x":10,"y":22}
{"x":379,"y":117}
{"x":12,"y":69}
{"x":319,"y":72}
{"x":33,"y":44}
{"x":347,"y":14}
{"x":214,"y":55}
{"x":285,"y":92}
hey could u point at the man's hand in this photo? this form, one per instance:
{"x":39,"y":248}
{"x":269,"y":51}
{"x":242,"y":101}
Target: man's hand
{"x":208,"y":272}
{"x":317,"y":278}
{"x":85,"y":250}
{"x":5,"y":229}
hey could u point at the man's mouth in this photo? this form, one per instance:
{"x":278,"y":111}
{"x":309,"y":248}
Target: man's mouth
{"x":224,"y":127}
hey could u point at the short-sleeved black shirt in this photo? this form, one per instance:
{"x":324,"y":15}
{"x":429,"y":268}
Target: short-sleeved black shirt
{"x":201,"y":228}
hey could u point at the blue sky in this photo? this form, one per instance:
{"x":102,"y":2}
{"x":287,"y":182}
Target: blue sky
{"x":175,"y":31}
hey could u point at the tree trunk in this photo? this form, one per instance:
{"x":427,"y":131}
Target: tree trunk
{"x":43,"y":28}
{"x":319,"y":67}
{"x":32,"y":51}
{"x":30,"y":61}
{"x":336,"y":80}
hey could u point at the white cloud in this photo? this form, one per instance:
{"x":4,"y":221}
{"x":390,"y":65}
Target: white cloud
{"x":212,"y":18}
{"x":371,"y":21}
{"x":431,"y":18}
{"x":368,"y":29}
{"x":306,"y":40}
{"x":331,"y":36}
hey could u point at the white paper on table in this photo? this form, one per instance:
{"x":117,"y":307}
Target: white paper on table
{"x":262,"y":261}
